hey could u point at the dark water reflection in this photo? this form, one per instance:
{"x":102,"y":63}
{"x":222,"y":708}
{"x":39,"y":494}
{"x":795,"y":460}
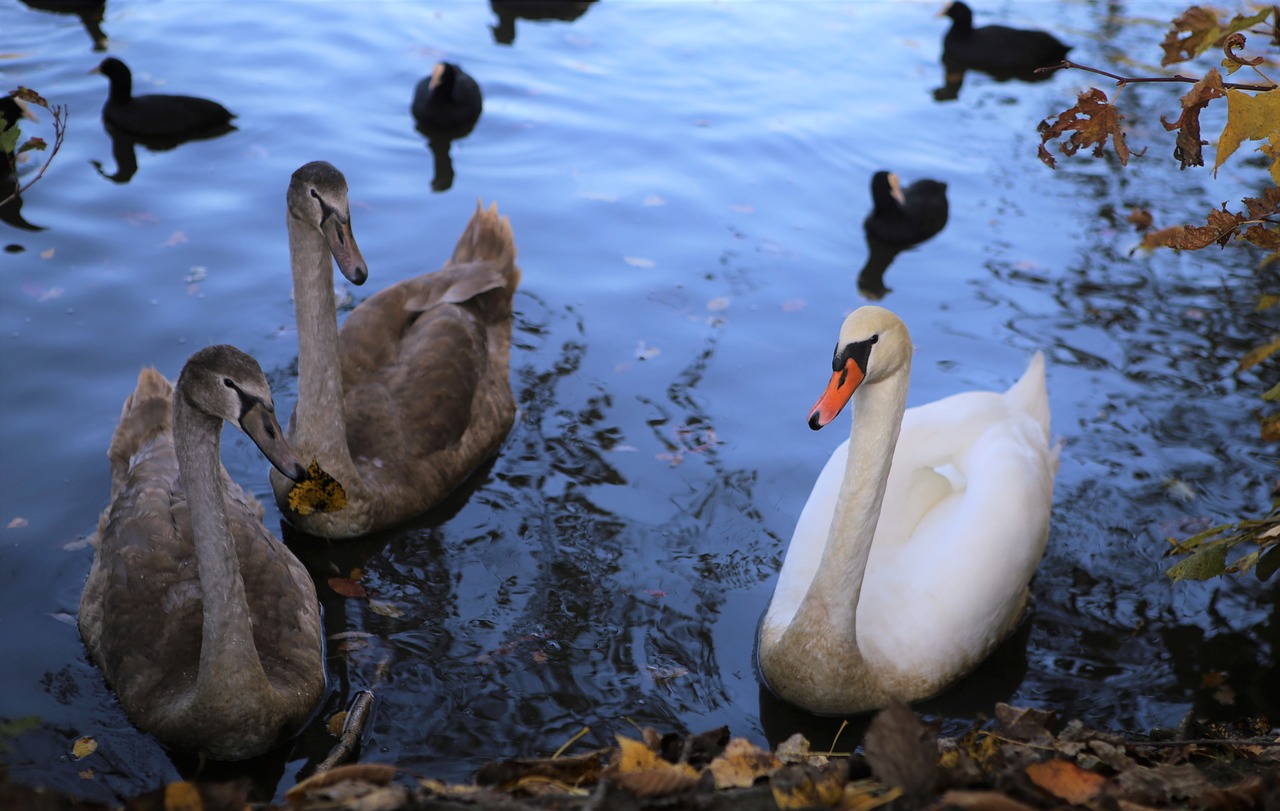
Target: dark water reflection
{"x":124,"y":149}
{"x":686,"y":185}
{"x":90,"y":13}
{"x":508,"y":11}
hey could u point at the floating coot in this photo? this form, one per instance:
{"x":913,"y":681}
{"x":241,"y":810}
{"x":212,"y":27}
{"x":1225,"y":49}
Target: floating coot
{"x":447,"y":103}
{"x":905,"y":217}
{"x":155,"y":115}
{"x":998,"y":49}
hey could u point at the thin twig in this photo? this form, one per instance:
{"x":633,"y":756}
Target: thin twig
{"x":59,"y":130}
{"x":1121,"y":81}
{"x":570,"y":742}
{"x":352,"y":730}
{"x":1210,"y":742}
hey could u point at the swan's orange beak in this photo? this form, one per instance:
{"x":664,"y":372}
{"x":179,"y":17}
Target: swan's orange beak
{"x":841,"y":387}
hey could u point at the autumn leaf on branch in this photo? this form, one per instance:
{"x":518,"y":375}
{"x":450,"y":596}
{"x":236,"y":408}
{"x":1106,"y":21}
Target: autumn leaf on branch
{"x":1255,"y":225}
{"x":1091,"y":121}
{"x":1202,"y":31}
{"x":1251,"y":118}
{"x":1187,"y":149}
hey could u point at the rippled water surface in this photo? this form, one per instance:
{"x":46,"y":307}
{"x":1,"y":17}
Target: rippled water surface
{"x":686,"y":183}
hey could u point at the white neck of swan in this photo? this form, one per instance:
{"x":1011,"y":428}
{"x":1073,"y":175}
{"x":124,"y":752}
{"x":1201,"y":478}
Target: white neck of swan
{"x":815,"y":660}
{"x":877,"y":419}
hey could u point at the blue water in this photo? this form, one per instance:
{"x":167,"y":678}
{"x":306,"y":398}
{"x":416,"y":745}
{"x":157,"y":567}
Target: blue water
{"x":686,"y":183}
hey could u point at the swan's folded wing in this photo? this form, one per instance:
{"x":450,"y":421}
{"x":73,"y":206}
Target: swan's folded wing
{"x":145,"y":584}
{"x":456,"y":285}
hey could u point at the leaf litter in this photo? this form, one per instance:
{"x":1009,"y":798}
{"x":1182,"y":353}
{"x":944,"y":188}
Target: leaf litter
{"x":1022,"y":758}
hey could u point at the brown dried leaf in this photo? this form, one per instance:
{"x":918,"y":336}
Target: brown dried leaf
{"x":182,"y":796}
{"x":378,"y":774}
{"x":1025,"y":724}
{"x":1067,"y":781}
{"x":347,"y":587}
{"x":902,"y":750}
{"x":1233,"y":60}
{"x":1187,"y":147}
{"x":1091,"y":121}
{"x":1221,"y":227}
{"x":536,"y":785}
{"x":741,"y":763}
{"x":982,"y":801}
{"x":1201,"y":29}
{"x":1140,"y":218}
{"x":574,"y":770}
{"x":1266,"y":205}
{"x":801,"y":786}
{"x":657,"y":783}
{"x":794,"y":750}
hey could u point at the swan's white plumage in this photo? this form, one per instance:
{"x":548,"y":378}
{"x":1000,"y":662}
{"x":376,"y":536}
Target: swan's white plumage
{"x":960,"y":531}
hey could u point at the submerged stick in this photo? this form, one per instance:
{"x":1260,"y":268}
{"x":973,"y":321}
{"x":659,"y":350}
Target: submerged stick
{"x":352,"y":729}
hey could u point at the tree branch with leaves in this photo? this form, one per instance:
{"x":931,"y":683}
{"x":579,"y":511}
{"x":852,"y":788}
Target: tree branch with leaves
{"x":1253,"y":114}
{"x":11,"y":135}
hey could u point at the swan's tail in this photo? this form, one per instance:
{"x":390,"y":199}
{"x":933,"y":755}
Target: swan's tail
{"x":1030,"y":393}
{"x":488,"y":238}
{"x":146,"y":412}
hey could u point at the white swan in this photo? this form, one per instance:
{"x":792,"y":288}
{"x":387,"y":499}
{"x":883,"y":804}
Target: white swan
{"x":204,"y":624}
{"x":900,"y":579}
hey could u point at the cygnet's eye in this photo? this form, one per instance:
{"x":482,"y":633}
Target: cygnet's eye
{"x":226,"y":381}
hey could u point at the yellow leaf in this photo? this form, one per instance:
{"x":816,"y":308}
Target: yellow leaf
{"x":336,"y":722}
{"x":1250,"y":118}
{"x":741,"y":763}
{"x":182,"y":797}
{"x":318,"y":493}
{"x":634,"y":756}
{"x":1259,"y":353}
{"x":83,"y":747}
{"x":797,"y":786}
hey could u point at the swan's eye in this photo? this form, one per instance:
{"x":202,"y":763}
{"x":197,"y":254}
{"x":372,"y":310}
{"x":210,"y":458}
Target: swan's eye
{"x":226,"y":381}
{"x":873,"y":339}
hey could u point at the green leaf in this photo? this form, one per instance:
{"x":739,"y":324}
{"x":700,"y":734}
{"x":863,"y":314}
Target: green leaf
{"x":1272,"y":393}
{"x":1207,"y":562}
{"x":9,"y":138}
{"x":1241,"y":22}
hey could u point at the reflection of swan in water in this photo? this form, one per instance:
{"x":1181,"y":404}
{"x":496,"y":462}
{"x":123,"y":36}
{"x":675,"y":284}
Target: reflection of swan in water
{"x":205,"y":625}
{"x":1001,"y":52}
{"x":11,"y":112}
{"x":157,"y":122}
{"x":899,"y":219}
{"x":900,"y":579}
{"x":90,"y":13}
{"x":446,"y":106}
{"x":508,"y":11}
{"x":413,"y":394}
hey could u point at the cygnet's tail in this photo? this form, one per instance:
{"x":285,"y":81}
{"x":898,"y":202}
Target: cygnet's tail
{"x":147,"y":411}
{"x":488,"y":238}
